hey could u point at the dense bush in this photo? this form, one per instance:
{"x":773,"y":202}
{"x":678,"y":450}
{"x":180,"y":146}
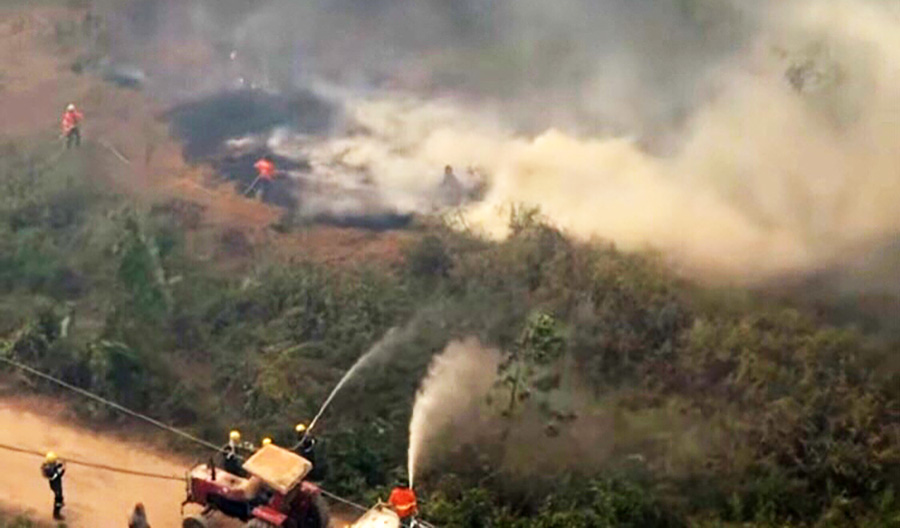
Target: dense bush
{"x":715,"y":410}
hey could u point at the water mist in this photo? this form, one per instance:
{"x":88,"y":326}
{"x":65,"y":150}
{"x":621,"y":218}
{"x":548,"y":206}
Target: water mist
{"x":457,"y":382}
{"x":384,"y":345}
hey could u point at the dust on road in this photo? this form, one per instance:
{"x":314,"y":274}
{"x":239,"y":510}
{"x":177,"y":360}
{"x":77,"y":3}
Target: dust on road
{"x":94,"y":498}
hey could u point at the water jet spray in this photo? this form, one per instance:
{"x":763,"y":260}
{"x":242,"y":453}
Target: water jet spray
{"x":457,"y":382}
{"x":383,"y":344}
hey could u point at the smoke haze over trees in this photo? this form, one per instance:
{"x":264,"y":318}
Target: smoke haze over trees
{"x":650,"y":401}
{"x":661,"y":140}
{"x":730,"y":135}
{"x":588,"y":63}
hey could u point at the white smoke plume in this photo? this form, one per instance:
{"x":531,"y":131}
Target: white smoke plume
{"x":746,"y":138}
{"x":769,"y":176}
{"x":578,"y":63}
{"x":452,"y":394}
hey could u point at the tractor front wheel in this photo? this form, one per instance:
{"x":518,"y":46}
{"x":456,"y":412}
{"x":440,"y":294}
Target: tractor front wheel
{"x":194,"y":521}
{"x":316,"y":515}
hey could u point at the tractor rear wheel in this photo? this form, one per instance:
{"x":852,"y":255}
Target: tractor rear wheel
{"x":259,"y":523}
{"x":316,"y":516}
{"x":194,"y":521}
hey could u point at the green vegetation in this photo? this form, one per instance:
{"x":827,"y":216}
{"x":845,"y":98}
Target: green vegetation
{"x":716,"y":408}
{"x":16,"y":522}
{"x":19,"y":521}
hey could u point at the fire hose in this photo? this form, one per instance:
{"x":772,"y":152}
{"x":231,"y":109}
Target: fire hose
{"x":145,"y":418}
{"x":95,"y":465}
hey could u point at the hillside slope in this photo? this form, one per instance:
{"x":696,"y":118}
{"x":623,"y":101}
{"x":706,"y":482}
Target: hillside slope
{"x":37,"y":50}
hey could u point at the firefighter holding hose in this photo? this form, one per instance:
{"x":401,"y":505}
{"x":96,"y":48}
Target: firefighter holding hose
{"x":309,"y":448}
{"x":306,"y":443}
{"x":232,"y":460}
{"x":53,"y":470}
{"x":403,"y":501}
{"x":265,"y":173}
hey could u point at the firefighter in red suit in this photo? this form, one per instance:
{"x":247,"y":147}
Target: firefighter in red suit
{"x":71,"y":126}
{"x":265,"y":174}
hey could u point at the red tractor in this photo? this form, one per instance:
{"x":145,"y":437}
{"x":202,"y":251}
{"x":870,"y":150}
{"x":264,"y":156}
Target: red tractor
{"x":273,"y":495}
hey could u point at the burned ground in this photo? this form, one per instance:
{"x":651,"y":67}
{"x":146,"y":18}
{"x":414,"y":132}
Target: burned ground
{"x":205,"y":124}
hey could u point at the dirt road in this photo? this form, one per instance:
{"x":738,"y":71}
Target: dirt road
{"x":94,"y":498}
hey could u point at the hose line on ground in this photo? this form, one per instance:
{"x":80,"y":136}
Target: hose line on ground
{"x":95,"y":465}
{"x":145,"y":418}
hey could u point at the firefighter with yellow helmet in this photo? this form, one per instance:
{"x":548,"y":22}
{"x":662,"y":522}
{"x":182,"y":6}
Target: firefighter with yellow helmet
{"x":53,"y":470}
{"x":305,"y":442}
{"x":232,"y":459}
{"x":300,"y":429}
{"x":306,"y":447}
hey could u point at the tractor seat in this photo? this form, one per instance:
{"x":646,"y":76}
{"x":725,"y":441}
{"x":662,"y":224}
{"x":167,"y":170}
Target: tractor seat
{"x":228,"y":480}
{"x":223,"y":478}
{"x":243,"y":490}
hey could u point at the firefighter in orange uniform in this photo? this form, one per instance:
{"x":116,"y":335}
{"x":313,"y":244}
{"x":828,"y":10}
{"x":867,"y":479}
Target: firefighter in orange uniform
{"x":71,"y":126}
{"x":403,"y":501}
{"x":265,"y":174}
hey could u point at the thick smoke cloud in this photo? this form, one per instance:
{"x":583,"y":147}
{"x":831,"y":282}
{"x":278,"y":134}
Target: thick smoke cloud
{"x":460,"y":420}
{"x":747,"y":138}
{"x":586,"y":65}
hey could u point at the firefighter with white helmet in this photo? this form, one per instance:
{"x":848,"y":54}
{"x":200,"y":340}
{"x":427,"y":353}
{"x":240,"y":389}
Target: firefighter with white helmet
{"x":53,"y":470}
{"x":71,"y":126}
